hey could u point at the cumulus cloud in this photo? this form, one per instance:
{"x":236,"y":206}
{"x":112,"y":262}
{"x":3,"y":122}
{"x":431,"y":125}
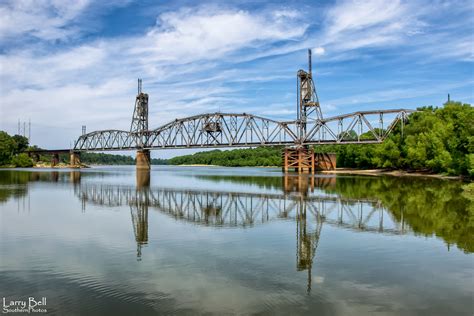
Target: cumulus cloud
{"x":190,"y":34}
{"x":319,"y":51}
{"x":357,"y":24}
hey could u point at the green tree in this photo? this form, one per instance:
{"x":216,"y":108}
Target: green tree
{"x":7,"y":148}
{"x":21,"y":143}
{"x":22,"y":161}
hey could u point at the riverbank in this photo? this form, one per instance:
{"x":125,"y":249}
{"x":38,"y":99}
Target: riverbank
{"x":61,"y":165}
{"x":349,"y":171}
{"x":396,"y":173}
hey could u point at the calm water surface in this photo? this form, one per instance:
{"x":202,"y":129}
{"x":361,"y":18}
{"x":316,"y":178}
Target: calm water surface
{"x":184,"y":240}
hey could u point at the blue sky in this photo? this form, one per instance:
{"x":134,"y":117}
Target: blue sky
{"x":65,"y":64}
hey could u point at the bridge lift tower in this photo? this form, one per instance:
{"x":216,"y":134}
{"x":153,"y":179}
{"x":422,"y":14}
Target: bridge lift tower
{"x":139,"y":127}
{"x":301,"y":157}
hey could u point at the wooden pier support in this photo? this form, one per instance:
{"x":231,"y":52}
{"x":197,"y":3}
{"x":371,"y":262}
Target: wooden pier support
{"x":143,"y":159}
{"x":304,"y":160}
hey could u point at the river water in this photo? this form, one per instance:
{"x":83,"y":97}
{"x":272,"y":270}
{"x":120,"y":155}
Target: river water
{"x":197,"y":240}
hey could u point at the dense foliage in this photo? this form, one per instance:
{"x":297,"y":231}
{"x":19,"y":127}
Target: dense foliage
{"x":106,"y":159}
{"x":261,"y":156}
{"x":109,"y":159}
{"x":434,"y":139}
{"x":10,"y":149}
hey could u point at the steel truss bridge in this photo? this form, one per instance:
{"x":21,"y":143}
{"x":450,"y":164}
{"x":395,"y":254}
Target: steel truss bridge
{"x":246,"y":130}
{"x":213,"y":130}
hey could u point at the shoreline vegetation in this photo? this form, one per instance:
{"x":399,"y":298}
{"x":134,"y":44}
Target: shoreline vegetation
{"x":435,"y":142}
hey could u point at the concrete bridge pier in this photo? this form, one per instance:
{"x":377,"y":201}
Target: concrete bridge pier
{"x":143,"y":159}
{"x":74,"y":159}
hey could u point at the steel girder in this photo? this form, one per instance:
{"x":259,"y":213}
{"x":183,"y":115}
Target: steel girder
{"x":246,"y":130}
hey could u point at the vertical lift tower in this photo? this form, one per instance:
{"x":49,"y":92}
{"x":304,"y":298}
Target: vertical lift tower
{"x":302,"y":158}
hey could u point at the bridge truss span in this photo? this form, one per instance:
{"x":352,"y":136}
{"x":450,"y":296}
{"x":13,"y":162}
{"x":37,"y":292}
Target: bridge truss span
{"x":358,"y":127}
{"x":246,"y":130}
{"x":222,"y":130}
{"x":107,"y":140}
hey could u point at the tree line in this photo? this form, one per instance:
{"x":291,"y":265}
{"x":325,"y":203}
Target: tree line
{"x":261,"y":156}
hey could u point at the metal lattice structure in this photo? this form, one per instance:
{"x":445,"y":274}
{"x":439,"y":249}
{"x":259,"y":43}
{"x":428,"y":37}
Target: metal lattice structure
{"x":246,"y":130}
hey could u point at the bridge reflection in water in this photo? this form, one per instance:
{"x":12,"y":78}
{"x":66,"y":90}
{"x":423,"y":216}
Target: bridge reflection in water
{"x":300,"y":200}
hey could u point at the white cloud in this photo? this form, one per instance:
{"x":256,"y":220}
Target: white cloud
{"x":319,"y":51}
{"x":43,"y":19}
{"x":189,"y":34}
{"x":359,"y":24}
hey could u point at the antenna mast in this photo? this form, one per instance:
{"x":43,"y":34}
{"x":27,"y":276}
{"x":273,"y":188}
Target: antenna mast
{"x":309,"y":62}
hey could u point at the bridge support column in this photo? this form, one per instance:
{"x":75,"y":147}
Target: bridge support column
{"x":75,"y":159}
{"x":143,"y":178}
{"x":304,"y":160}
{"x":299,"y":159}
{"x":54,"y":160}
{"x":143,"y":159}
